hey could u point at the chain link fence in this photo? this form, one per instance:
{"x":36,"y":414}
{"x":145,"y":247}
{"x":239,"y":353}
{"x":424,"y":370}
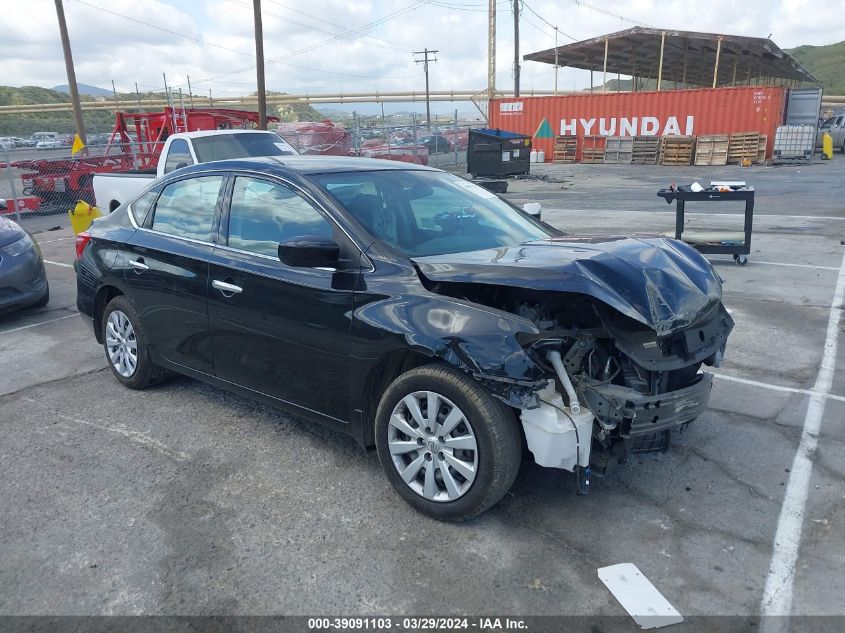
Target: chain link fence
{"x":39,"y":178}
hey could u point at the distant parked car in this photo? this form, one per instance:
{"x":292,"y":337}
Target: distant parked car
{"x":48,"y":143}
{"x":23,"y":281}
{"x":23,"y":142}
{"x":835,"y":126}
{"x":436,"y":144}
{"x":6,"y":143}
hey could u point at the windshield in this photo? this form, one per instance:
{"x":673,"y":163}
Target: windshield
{"x":420,"y":213}
{"x":226,"y":146}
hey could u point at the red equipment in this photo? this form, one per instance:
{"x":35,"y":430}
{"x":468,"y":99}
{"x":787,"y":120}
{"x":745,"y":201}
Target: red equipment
{"x":135,"y":144}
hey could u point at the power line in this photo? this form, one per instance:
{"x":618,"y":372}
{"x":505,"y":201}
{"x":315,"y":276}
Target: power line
{"x":609,"y":13}
{"x":545,"y":21}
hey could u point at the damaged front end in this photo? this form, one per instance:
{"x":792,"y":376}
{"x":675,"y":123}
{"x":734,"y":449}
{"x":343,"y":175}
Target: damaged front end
{"x":622,"y":333}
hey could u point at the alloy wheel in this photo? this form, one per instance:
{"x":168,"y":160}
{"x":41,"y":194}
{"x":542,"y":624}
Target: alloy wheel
{"x":121,"y":344}
{"x":432,"y":446}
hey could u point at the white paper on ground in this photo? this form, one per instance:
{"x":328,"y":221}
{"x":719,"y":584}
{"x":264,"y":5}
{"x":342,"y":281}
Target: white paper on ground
{"x":638,"y":596}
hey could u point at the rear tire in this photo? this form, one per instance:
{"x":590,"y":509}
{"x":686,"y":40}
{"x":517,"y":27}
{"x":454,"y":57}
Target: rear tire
{"x":456,"y":464}
{"x":126,"y":348}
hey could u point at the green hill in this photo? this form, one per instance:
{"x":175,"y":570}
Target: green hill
{"x":100,"y":120}
{"x":825,"y":62}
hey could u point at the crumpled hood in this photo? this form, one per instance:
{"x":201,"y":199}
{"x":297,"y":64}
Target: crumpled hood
{"x":660,"y":282}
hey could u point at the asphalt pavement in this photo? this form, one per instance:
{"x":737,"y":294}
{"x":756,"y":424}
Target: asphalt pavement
{"x":184,"y":499}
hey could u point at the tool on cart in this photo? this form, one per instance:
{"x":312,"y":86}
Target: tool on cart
{"x":737,"y":244}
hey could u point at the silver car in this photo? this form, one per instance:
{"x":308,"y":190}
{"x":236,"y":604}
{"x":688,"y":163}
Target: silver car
{"x":23,"y":281}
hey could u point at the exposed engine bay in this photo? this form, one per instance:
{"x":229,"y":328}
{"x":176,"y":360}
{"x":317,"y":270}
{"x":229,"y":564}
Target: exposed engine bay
{"x":614,"y":385}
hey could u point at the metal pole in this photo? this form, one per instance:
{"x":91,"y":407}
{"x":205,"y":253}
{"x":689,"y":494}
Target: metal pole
{"x":210,"y":100}
{"x":455,"y":136}
{"x":138,"y":95}
{"x":427,"y":95}
{"x":716,"y":65}
{"x":660,"y":67}
{"x":516,"y":48}
{"x":556,"y":60}
{"x":169,"y":102}
{"x":259,"y":65}
{"x":114,"y":92}
{"x":684,"y":77}
{"x":190,"y":92}
{"x":604,"y":81}
{"x":11,"y":178}
{"x":71,"y":73}
{"x":491,"y":49}
{"x":733,"y":81}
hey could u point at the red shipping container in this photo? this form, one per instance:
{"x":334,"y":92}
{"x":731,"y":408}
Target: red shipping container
{"x":667,"y":113}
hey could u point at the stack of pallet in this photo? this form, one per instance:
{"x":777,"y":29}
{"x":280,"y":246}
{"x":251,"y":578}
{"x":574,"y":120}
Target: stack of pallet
{"x":712,"y":149}
{"x":676,"y":150}
{"x":743,"y":145}
{"x":618,"y":150}
{"x":565,"y":149}
{"x":762,"y":142}
{"x":645,"y":150}
{"x":593,"y":150}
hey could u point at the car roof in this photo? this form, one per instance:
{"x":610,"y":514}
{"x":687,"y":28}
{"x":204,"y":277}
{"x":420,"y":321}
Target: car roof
{"x":309,"y":165}
{"x":201,"y":133}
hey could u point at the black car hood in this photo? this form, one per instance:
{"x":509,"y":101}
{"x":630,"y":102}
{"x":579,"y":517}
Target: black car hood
{"x":662,"y":283}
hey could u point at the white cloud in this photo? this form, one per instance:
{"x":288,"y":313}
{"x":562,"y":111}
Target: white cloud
{"x":107,"y":46}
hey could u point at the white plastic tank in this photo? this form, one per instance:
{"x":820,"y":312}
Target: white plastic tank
{"x":550,"y":431}
{"x":541,"y":156}
{"x":532,"y":157}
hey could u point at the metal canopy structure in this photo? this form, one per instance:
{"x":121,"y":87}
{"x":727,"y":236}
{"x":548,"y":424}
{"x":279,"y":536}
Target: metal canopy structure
{"x":685,"y":57}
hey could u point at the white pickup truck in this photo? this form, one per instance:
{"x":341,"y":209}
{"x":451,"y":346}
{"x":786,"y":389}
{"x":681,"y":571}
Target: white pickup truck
{"x":188,"y":148}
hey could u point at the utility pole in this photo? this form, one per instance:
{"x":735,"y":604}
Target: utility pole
{"x":190,"y":93}
{"x":516,"y":48}
{"x":210,"y":100}
{"x":71,"y":73}
{"x":114,"y":92}
{"x":424,"y":61}
{"x":591,"y":85}
{"x":491,"y":49}
{"x":138,"y":96}
{"x":259,"y":68}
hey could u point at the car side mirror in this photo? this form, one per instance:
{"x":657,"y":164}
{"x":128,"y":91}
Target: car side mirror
{"x":309,"y":251}
{"x":533,"y":209}
{"x":3,"y":204}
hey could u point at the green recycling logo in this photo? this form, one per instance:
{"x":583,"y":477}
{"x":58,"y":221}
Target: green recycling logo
{"x":544,"y":130}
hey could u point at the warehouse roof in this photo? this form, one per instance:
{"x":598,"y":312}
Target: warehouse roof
{"x":688,"y":57}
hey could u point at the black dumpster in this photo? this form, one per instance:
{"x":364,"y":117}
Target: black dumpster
{"x":498,"y":153}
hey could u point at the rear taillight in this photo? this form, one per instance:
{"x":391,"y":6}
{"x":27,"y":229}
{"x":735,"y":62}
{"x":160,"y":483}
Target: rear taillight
{"x":81,"y":242}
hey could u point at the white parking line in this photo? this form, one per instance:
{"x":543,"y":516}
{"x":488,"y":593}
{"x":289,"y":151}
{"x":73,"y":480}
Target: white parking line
{"x":766,"y":385}
{"x":58,"y":239}
{"x":754,"y":261}
{"x":25,"y":327}
{"x":777,"y":595}
{"x":47,"y":261}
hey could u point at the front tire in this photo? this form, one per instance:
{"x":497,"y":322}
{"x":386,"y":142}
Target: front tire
{"x":447,"y":446}
{"x":126,"y":348}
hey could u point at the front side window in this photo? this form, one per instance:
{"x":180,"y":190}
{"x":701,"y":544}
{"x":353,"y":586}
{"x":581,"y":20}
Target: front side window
{"x":420,"y":213}
{"x":179,"y":155}
{"x":186,"y":208}
{"x":265,"y":213}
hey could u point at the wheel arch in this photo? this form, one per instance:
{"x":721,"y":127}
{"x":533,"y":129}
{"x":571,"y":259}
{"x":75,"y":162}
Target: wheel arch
{"x":105,"y":294}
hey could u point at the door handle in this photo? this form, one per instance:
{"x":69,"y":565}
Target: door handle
{"x":226,"y":288}
{"x":138,"y":265}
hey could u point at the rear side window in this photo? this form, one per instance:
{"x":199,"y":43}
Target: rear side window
{"x":141,"y":207}
{"x":186,"y":208}
{"x":179,"y":155}
{"x":265,"y":213}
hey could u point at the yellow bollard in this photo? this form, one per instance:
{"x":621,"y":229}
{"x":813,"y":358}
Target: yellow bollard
{"x":82,"y":215}
{"x":827,"y":146}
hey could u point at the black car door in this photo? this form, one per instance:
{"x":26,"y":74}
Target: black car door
{"x":276,"y":329}
{"x":166,"y":269}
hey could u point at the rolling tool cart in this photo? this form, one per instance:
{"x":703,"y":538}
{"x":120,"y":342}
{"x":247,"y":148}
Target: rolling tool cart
{"x":737,"y":244}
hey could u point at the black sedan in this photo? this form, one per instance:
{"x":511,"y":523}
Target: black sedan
{"x":411,"y":309}
{"x":23,"y":282}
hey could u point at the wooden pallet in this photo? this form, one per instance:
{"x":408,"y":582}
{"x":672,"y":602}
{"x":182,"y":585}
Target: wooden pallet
{"x":762,"y":142}
{"x":565,"y":149}
{"x":712,"y":149}
{"x":618,"y":150}
{"x":743,"y":145}
{"x":592,"y":150}
{"x":676,"y":150}
{"x":645,"y":150}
